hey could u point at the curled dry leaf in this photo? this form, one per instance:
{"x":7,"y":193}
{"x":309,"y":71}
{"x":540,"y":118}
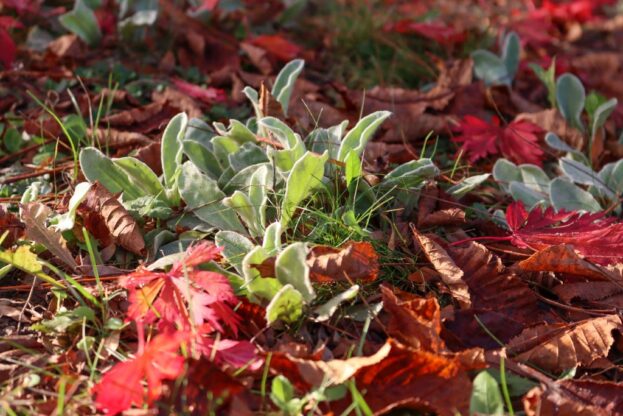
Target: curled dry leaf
{"x":354,"y":261}
{"x":35,"y":215}
{"x":558,"y":347}
{"x":414,"y":379}
{"x":575,"y":398}
{"x":108,"y":221}
{"x":413,"y":320}
{"x":145,"y":119}
{"x":563,"y":258}
{"x":450,"y":273}
{"x":306,"y":372}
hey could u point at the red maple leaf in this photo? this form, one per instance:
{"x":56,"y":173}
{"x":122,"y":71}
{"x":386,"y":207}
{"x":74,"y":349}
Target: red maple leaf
{"x":122,"y":386}
{"x":517,"y":141}
{"x":580,"y":11}
{"x":278,"y":46}
{"x":8,"y":50}
{"x":237,"y":354}
{"x":209,"y":95}
{"x":184,"y":296}
{"x":595,"y":236}
{"x":437,"y":31}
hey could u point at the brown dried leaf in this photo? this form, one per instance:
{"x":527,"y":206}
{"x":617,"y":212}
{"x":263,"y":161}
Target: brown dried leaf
{"x":269,"y":105}
{"x":354,"y":261}
{"x":492,"y":285}
{"x":150,"y":155}
{"x":606,"y":294}
{"x":118,"y":138}
{"x":413,"y":320}
{"x":450,"y":273}
{"x":562,"y":259}
{"x":575,"y":398}
{"x":8,"y":221}
{"x":551,"y":120}
{"x":558,"y":347}
{"x":306,"y":372}
{"x":35,"y":216}
{"x":414,"y":379}
{"x":109,"y":221}
{"x":178,"y":100}
{"x":148,"y":118}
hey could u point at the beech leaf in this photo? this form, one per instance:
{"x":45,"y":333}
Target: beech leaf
{"x":34,"y":216}
{"x":107,"y":219}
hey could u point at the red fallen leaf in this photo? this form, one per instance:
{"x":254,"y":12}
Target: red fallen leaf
{"x":596,"y":237}
{"x":184,"y":295}
{"x":209,"y":95}
{"x":208,"y":5}
{"x":517,"y":141}
{"x":237,"y":354}
{"x":23,"y":6}
{"x":106,"y":20}
{"x":580,"y":11}
{"x":8,"y":50}
{"x":204,"y":376}
{"x":534,"y":31}
{"x":278,"y":46}
{"x":122,"y":386}
{"x":436,"y":31}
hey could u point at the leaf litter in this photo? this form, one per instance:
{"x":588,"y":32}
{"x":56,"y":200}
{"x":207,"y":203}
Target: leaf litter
{"x":259,"y":256}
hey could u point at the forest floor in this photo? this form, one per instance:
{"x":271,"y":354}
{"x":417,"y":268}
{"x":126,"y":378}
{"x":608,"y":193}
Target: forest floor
{"x":350,"y":207}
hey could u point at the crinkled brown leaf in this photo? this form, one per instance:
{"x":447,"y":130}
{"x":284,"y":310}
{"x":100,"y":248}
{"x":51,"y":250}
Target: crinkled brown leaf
{"x":148,"y":118}
{"x":492,"y":285}
{"x":450,"y":273}
{"x":108,"y":221}
{"x":596,"y":294}
{"x":414,"y":379}
{"x":118,"y":138}
{"x":35,"y":216}
{"x":562,"y":259}
{"x":413,"y":320}
{"x":308,"y":372}
{"x":558,"y":347}
{"x":575,"y":398}
{"x":354,"y":261}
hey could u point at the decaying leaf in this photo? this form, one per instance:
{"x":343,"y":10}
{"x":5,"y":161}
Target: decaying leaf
{"x":106,"y":219}
{"x":354,"y":261}
{"x":413,"y":320}
{"x":450,"y":273}
{"x":562,"y":259}
{"x":575,"y":398}
{"x":35,"y":216}
{"x":309,"y":372}
{"x":493,"y":286}
{"x":415,"y":379}
{"x":559,"y":347}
